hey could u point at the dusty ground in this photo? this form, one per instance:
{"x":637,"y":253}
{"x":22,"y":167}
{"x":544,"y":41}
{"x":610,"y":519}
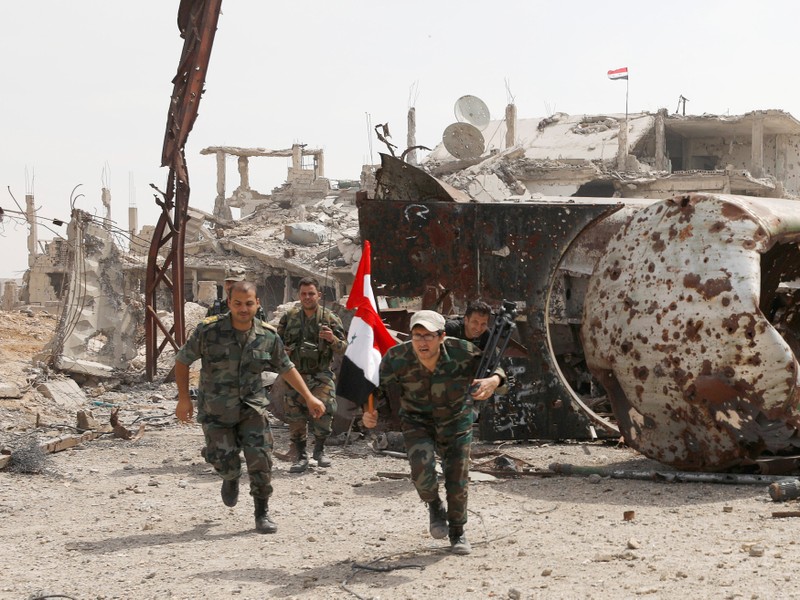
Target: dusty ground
{"x":143,"y":519}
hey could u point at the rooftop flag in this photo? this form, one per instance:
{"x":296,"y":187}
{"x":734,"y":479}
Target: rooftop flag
{"x":618,"y":73}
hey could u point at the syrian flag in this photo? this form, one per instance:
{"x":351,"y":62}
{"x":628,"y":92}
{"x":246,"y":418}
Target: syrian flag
{"x":618,"y":73}
{"x":368,"y":339}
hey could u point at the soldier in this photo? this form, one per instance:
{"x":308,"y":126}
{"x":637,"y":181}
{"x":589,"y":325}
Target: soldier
{"x":473,"y":326}
{"x":434,"y":375}
{"x":221,"y":306}
{"x":232,"y":405}
{"x":312,"y":335}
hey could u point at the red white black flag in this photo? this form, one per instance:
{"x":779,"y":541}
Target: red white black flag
{"x":618,"y":73}
{"x":368,"y":339}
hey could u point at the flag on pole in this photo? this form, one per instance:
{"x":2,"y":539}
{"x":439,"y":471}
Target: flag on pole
{"x":618,"y":73}
{"x":368,"y":339}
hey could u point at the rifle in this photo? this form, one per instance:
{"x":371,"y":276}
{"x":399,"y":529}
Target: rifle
{"x":322,"y":321}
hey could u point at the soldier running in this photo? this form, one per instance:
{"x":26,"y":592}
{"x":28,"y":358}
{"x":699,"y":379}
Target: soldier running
{"x":312,"y":334}
{"x":435,"y":376}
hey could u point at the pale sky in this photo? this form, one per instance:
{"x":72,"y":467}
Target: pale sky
{"x":86,"y":83}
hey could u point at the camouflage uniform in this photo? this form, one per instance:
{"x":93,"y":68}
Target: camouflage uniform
{"x":436,"y":415}
{"x":299,"y":332}
{"x":231,"y":402}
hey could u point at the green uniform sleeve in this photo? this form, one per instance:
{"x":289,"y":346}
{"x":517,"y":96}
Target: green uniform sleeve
{"x":190,"y":351}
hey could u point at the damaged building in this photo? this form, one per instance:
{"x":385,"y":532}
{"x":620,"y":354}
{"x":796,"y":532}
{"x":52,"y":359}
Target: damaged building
{"x":657,"y":155}
{"x":307,"y":227}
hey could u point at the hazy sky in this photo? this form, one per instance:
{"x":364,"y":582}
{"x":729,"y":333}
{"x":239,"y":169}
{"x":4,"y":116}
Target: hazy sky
{"x":86,"y":83}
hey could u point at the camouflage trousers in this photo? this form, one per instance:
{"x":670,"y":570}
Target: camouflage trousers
{"x":423,"y":441}
{"x":296,"y":411}
{"x":253,"y":436}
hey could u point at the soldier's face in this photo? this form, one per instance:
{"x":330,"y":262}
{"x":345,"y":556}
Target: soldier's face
{"x":475,"y":325}
{"x":425,"y":343}
{"x":243,"y":307}
{"x":309,"y":297}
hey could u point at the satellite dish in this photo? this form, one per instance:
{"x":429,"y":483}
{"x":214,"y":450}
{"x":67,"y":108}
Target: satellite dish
{"x":463,"y":140}
{"x":472,"y":110}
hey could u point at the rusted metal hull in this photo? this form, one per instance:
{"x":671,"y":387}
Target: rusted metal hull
{"x":505,"y":251}
{"x":689,"y":329}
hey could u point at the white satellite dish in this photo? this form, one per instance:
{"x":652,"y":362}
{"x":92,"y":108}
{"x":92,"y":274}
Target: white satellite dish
{"x":472,"y":110}
{"x":463,"y":141}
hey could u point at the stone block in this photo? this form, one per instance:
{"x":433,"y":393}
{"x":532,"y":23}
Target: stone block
{"x":9,"y":390}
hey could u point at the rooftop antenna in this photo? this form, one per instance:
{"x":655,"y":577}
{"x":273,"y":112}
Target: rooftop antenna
{"x":682,"y":100}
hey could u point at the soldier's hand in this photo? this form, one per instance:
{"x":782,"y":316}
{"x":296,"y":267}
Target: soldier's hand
{"x":482,"y":389}
{"x":370,"y":418}
{"x":184,"y":410}
{"x":315,"y":407}
{"x":326,"y":333}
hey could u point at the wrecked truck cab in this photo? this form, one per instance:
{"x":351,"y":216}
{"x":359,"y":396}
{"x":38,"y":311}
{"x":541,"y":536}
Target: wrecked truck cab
{"x":690,"y":324}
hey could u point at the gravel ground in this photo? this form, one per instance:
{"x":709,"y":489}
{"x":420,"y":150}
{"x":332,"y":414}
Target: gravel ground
{"x":143,"y":519}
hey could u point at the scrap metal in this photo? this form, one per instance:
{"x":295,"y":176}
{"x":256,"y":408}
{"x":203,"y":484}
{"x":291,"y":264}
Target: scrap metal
{"x":681,"y":314}
{"x":690,"y":324}
{"x":197,"y":22}
{"x":423,"y":236}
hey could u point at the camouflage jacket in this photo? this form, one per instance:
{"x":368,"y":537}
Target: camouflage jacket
{"x":231,"y":373}
{"x":441,"y":396}
{"x":300,"y":334}
{"x":220,"y":307}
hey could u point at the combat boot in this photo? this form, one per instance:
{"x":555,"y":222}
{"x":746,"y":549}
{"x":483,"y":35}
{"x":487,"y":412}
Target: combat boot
{"x":438,"y":519}
{"x":230,"y":491}
{"x":301,"y":462}
{"x":263,"y":523}
{"x":458,"y":541}
{"x":319,"y":453}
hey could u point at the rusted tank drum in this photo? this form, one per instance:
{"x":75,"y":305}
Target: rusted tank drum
{"x":689,"y":323}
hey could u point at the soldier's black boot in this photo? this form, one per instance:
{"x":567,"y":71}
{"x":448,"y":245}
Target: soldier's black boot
{"x":263,"y":523}
{"x":319,"y":453}
{"x":301,"y":463}
{"x":438,"y":519}
{"x":458,"y":541}
{"x":230,"y":491}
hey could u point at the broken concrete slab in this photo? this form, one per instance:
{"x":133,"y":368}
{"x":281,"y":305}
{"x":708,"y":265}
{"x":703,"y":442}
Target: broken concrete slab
{"x":305,"y":234}
{"x":9,"y":390}
{"x":64,"y":392}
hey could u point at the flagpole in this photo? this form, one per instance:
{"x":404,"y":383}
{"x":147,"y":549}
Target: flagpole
{"x":627,"y":83}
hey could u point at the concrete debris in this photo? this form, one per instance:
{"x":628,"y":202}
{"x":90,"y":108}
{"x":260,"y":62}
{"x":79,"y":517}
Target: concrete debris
{"x":306,"y":234}
{"x":85,"y":420}
{"x":9,"y":390}
{"x":64,"y":392}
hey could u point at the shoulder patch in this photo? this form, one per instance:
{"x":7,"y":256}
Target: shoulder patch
{"x":211,"y":319}
{"x":266,"y":325}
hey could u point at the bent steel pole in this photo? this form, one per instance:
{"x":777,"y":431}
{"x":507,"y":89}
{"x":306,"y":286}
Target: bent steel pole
{"x":197,"y":22}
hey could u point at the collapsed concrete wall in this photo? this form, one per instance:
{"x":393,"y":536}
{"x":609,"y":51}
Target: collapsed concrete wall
{"x":96,"y":333}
